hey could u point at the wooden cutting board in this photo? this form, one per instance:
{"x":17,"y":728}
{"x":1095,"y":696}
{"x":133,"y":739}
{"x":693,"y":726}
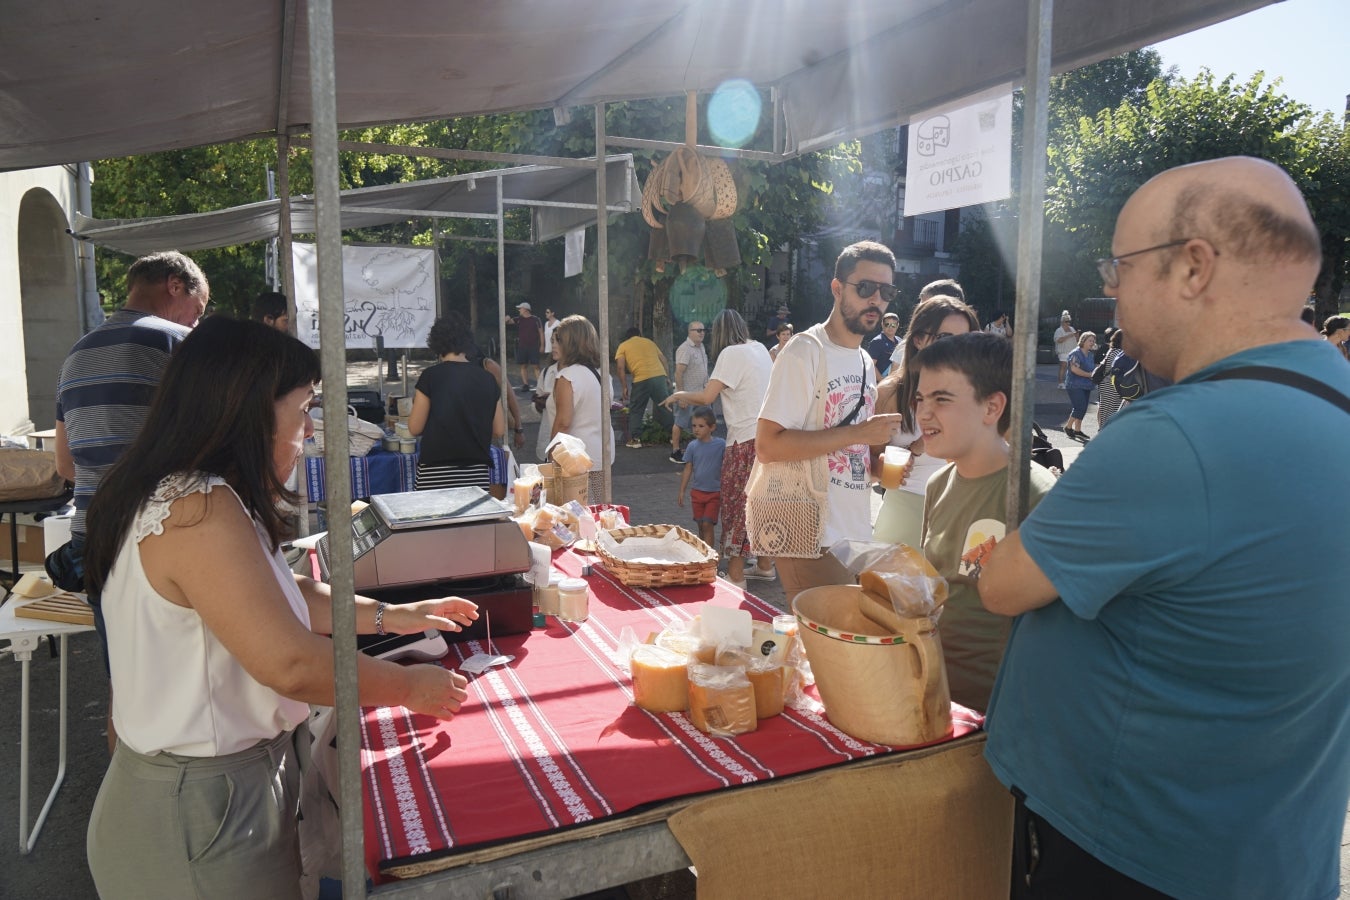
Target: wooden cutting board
{"x":58,"y":608}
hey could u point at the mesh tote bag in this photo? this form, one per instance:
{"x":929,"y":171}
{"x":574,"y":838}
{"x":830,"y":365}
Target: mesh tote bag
{"x":785,"y":502}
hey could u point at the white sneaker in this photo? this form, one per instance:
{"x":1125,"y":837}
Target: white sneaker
{"x":761,"y":575}
{"x":1061,"y":386}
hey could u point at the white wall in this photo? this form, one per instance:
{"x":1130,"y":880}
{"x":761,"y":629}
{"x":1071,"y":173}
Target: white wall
{"x":40,"y":309}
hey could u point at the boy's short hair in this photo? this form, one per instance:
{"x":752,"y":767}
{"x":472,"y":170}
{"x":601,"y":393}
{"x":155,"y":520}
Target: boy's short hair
{"x":705,"y":413}
{"x":985,"y":359}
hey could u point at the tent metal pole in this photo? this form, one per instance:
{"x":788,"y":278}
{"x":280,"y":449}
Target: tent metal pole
{"x":333,"y":355}
{"x":602,"y":318}
{"x":1031,"y":220}
{"x":501,"y":314}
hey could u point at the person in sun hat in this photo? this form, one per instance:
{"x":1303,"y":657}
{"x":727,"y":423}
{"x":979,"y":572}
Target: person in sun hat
{"x":778,"y":321}
{"x":529,"y":341}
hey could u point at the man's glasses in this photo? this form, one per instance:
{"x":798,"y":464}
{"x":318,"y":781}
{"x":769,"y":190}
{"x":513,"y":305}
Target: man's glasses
{"x":1108,"y":268}
{"x":867,"y":288}
{"x":890,"y":324}
{"x":699,"y":330}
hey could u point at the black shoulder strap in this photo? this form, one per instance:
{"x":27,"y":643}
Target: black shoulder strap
{"x":1285,"y":377}
{"x":862,"y":395}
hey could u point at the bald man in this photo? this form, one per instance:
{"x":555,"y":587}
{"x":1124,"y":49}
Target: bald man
{"x":1173,"y":712}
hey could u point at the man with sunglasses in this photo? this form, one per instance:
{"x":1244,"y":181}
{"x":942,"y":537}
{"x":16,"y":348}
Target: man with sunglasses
{"x":819,"y":403}
{"x":1173,"y":710}
{"x":883,"y":345}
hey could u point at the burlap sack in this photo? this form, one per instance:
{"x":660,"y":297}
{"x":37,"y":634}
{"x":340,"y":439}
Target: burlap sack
{"x":929,"y":825}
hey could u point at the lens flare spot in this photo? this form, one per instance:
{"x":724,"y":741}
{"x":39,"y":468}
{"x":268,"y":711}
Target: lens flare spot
{"x":733,"y":113}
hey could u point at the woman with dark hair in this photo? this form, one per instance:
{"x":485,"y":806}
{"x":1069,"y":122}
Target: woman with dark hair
{"x":901,"y":515}
{"x":1108,"y":400}
{"x":740,"y":376}
{"x":784,"y":334}
{"x":1336,"y":331}
{"x":577,"y":400}
{"x":216,"y":648}
{"x":457,"y":410}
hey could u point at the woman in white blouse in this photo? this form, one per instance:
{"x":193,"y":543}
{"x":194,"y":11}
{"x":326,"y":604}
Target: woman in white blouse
{"x":216,"y":648}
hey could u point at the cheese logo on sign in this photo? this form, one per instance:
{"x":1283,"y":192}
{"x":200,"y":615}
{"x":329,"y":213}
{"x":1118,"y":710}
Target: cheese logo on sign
{"x":932,"y":134}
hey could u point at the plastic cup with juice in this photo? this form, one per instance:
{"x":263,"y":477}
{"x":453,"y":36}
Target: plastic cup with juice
{"x":893,"y":462}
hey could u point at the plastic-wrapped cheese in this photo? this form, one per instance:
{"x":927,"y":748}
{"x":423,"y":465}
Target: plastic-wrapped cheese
{"x":768,"y":682}
{"x":721,"y":700}
{"x":660,"y":679}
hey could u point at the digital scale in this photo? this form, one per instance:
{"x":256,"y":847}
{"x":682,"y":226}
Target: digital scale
{"x":427,"y":537}
{"x":452,"y":542}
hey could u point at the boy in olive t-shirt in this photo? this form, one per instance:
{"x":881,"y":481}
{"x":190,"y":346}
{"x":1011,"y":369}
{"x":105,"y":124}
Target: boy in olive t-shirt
{"x":962,"y":409}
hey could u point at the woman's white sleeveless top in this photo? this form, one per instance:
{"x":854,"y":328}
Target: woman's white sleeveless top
{"x":175,"y":686}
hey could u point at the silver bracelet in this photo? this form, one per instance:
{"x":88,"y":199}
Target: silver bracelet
{"x":380,"y":607}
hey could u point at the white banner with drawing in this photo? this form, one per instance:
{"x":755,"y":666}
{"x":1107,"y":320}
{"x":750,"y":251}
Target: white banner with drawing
{"x":389,"y":291}
{"x":960,"y":157}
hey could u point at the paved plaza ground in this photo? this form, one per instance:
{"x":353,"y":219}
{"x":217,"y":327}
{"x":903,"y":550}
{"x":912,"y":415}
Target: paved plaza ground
{"x":643,"y":479}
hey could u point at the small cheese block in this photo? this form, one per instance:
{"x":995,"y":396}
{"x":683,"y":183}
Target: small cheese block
{"x":660,"y":679}
{"x":721,"y":700}
{"x":768,"y":683}
{"x":33,"y":585}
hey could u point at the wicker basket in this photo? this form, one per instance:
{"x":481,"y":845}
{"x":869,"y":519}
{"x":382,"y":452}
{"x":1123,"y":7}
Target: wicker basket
{"x":667,"y":575}
{"x":361,"y":435}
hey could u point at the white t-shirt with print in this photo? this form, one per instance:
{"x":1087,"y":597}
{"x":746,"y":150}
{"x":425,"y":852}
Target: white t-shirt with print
{"x":792,"y":386}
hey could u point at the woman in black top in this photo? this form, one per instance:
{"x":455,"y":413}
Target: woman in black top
{"x":456,"y":411}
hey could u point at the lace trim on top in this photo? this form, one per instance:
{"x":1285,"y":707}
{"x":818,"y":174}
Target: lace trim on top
{"x":150,"y":519}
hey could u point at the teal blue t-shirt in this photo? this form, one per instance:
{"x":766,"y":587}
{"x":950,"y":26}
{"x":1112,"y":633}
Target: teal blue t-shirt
{"x":1182,"y":713}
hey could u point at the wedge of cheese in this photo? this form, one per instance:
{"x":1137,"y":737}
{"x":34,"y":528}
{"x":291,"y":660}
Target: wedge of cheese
{"x":660,"y":679}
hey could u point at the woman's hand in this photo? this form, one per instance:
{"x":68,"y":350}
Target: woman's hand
{"x":669,"y":402}
{"x":443,"y":614}
{"x":434,"y":691}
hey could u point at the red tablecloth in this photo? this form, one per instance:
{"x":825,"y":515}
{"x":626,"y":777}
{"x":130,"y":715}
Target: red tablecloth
{"x":553,"y":740}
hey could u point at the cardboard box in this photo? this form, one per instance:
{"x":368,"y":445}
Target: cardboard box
{"x":32,"y":545}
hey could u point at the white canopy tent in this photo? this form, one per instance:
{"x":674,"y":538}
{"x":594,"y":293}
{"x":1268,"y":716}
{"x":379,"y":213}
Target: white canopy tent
{"x":87,"y":80}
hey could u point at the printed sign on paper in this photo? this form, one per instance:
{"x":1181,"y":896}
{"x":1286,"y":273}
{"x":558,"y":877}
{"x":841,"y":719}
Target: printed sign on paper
{"x":960,"y":157}
{"x":389,"y":291}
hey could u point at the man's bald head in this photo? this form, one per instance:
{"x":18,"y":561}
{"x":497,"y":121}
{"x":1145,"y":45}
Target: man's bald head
{"x":1229,"y":238}
{"x":1246,"y":207}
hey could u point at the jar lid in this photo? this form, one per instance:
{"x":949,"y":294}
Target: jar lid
{"x":573,"y":584}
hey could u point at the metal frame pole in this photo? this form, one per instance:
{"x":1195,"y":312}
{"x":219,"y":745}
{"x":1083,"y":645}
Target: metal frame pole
{"x":1031,"y":220}
{"x":602,"y":318}
{"x":333,"y":355}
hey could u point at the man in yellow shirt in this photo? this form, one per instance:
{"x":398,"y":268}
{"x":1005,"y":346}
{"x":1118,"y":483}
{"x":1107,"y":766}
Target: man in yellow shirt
{"x":641,"y":358}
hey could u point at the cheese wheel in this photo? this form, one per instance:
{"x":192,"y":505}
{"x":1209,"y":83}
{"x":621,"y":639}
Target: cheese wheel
{"x":660,"y":680}
{"x":721,"y":700}
{"x":768,"y":684}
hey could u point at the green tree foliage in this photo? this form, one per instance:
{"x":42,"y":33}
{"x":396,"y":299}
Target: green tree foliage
{"x":1095,"y":167}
